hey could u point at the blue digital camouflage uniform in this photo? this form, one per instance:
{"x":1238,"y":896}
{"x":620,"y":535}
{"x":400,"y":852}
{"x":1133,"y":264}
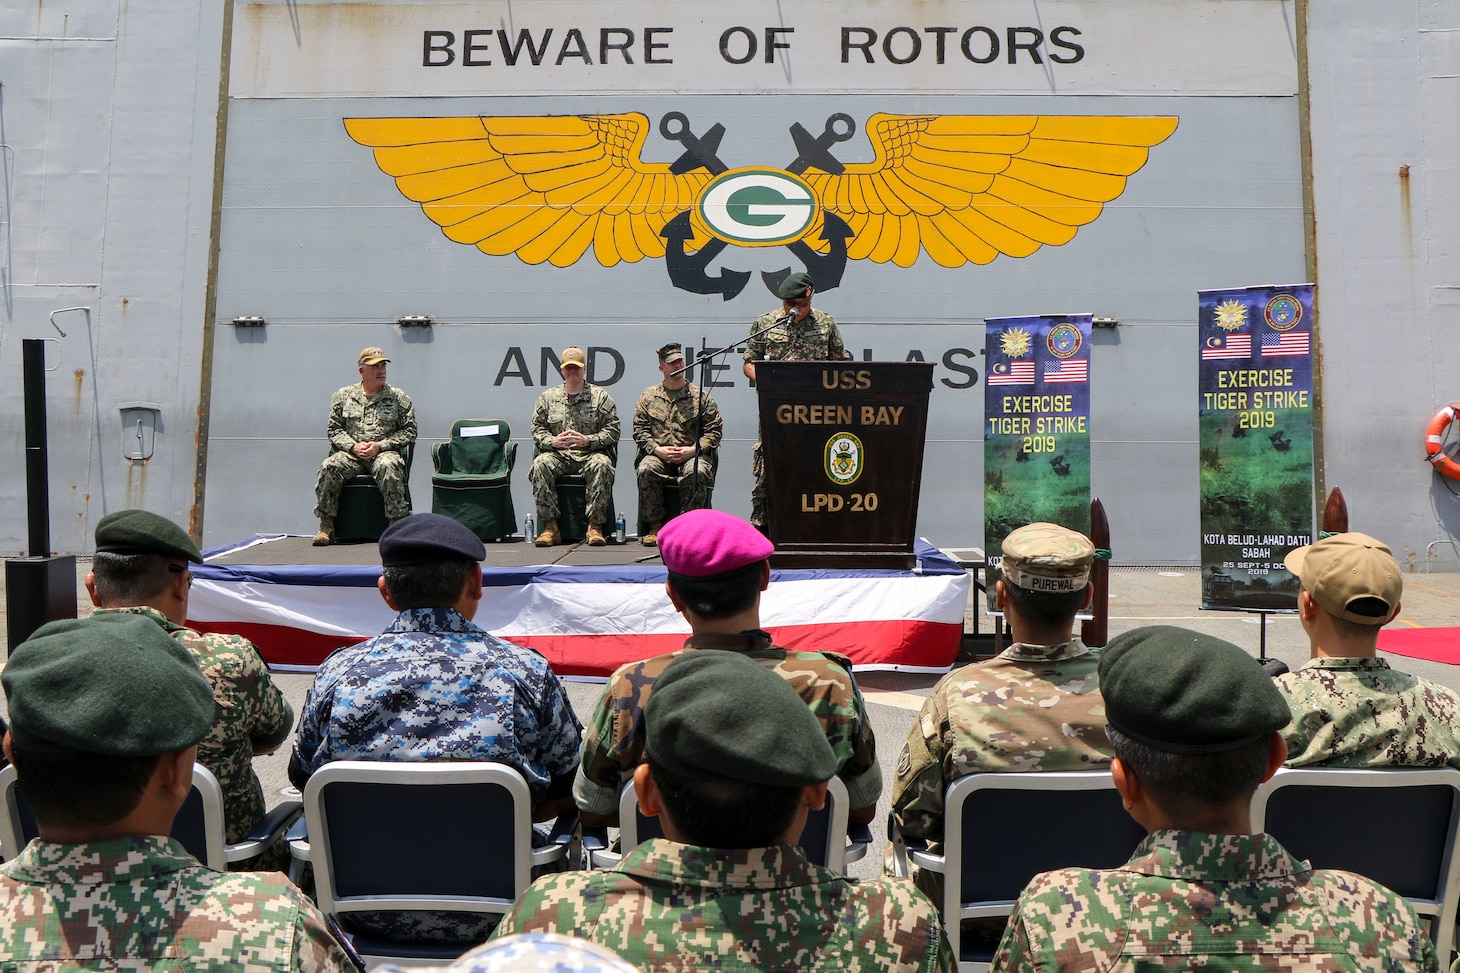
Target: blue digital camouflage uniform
{"x":1188,"y":900}
{"x":252,"y":716}
{"x":669,"y":906}
{"x":614,"y":743}
{"x":387,"y":418}
{"x":1357,"y":712}
{"x":813,"y":338}
{"x":142,"y":903}
{"x":591,"y":411}
{"x":434,"y":686}
{"x":666,"y":417}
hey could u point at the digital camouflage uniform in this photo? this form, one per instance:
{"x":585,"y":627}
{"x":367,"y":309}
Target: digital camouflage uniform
{"x":613,"y":744}
{"x":142,"y":903}
{"x":388,"y":418}
{"x":666,"y":417}
{"x":592,"y":413}
{"x":1188,"y":900}
{"x":1357,"y":712}
{"x":434,"y":686}
{"x":813,"y":338}
{"x":670,"y":906}
{"x":252,"y":716}
{"x":1032,"y":708}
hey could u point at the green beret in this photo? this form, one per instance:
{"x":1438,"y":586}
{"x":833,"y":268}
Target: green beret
{"x":109,"y":684}
{"x":144,"y":532}
{"x":716,"y":715}
{"x":794,"y":286}
{"x":1180,"y":691}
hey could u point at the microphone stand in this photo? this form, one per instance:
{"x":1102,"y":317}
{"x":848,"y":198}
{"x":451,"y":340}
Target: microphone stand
{"x":703,"y":361}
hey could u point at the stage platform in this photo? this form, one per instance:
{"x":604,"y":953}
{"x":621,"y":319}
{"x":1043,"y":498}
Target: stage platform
{"x":587,"y":609}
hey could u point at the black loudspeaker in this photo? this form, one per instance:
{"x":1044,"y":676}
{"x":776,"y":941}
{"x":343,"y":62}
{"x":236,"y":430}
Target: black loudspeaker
{"x":38,"y":590}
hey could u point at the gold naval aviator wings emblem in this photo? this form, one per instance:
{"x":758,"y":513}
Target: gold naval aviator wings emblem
{"x":960,"y":188}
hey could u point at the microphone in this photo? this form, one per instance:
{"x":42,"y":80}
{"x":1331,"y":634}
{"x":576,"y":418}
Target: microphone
{"x":790,"y":317}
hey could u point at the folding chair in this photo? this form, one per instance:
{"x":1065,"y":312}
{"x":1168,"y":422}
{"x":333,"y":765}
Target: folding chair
{"x":826,"y":839}
{"x":1069,"y":819}
{"x":198,"y":825}
{"x":453,"y":836}
{"x":1409,"y":846}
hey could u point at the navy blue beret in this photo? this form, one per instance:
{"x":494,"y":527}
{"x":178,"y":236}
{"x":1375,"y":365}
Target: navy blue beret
{"x":428,"y":538}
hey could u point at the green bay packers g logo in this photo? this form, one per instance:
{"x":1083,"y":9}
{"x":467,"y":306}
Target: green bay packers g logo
{"x":843,"y":458}
{"x":758,"y":207}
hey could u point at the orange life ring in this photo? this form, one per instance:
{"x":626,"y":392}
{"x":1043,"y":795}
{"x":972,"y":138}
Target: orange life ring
{"x":1435,"y":441}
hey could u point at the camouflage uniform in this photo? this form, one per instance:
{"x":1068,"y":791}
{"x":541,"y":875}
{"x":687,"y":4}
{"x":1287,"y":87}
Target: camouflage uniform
{"x":1357,"y":712}
{"x":592,"y":413}
{"x":433,"y":686}
{"x":813,"y":338}
{"x":669,"y":906}
{"x":666,"y":417}
{"x":142,"y":903}
{"x":252,"y":716}
{"x":614,"y":743}
{"x":1188,"y":900}
{"x":1033,"y":708}
{"x":388,"y":418}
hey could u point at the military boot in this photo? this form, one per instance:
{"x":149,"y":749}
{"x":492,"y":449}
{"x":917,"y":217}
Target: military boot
{"x":595,"y":535}
{"x":651,"y":539}
{"x":549,"y":535}
{"x":326,"y":535}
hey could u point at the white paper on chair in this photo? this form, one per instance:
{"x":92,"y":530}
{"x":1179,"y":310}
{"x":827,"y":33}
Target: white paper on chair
{"x":469,"y":431}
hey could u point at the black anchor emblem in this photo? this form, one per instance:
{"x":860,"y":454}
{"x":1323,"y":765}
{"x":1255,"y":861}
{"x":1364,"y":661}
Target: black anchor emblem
{"x":689,"y":272}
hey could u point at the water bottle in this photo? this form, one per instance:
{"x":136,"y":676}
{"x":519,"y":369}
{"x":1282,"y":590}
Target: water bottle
{"x":529,"y":529}
{"x":621,"y":532}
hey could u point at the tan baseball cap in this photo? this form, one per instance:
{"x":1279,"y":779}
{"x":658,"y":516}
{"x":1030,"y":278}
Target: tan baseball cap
{"x":1047,"y":557}
{"x":372,"y":356}
{"x":573,"y":355}
{"x":1347,"y":568}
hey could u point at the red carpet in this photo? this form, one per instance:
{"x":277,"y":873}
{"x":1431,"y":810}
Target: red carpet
{"x":1430,"y":644}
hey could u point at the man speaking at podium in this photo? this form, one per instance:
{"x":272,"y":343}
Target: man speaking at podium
{"x":795,"y":332}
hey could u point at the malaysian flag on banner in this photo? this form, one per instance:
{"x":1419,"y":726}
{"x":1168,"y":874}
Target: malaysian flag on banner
{"x":1012,"y":373}
{"x":1069,"y":370}
{"x":1288,"y":343}
{"x":1228,"y":346}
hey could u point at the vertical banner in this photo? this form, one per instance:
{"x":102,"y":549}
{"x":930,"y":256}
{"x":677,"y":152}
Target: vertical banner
{"x":1036,"y":446}
{"x":1255,"y":442}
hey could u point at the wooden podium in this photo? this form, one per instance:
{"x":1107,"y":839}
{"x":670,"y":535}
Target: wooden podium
{"x":843,"y":451}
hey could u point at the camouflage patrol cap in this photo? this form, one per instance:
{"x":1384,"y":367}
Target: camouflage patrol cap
{"x":1352,"y":576}
{"x":794,"y":286}
{"x":426,"y":539}
{"x":572,"y":355}
{"x":144,"y":532}
{"x":671,"y":352}
{"x":535,"y":952}
{"x":1181,"y":691}
{"x":716,"y":715}
{"x":372,"y":356}
{"x":1047,"y":557}
{"x":108,"y":684}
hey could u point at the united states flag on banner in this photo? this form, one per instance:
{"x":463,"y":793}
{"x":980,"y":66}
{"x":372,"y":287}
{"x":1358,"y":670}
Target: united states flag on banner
{"x":1014,"y":373}
{"x":1069,"y":370}
{"x":1228,"y":346}
{"x":1286,"y":344}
